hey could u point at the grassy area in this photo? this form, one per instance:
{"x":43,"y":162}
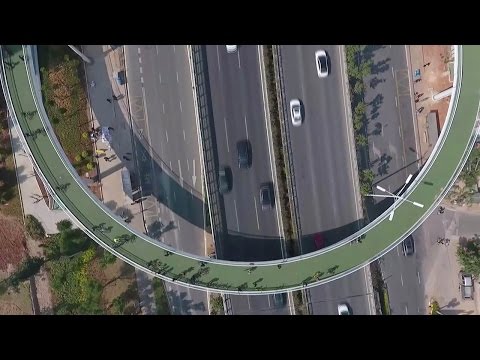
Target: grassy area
{"x":14,"y":302}
{"x":160,"y":297}
{"x":65,"y":100}
{"x":385,"y":303}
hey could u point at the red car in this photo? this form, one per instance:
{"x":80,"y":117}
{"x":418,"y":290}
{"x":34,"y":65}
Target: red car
{"x":319,"y":241}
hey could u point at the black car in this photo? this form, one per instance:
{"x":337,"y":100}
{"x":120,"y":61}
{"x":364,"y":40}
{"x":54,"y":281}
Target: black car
{"x":408,"y":246}
{"x":224,"y":179}
{"x":266,"y":196}
{"x":244,"y":150}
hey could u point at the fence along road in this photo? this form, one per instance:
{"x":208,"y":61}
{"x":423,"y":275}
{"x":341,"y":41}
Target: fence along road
{"x":308,"y":270}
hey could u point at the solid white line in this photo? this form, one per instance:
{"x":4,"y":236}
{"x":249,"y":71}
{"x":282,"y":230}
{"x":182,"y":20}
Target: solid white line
{"x":141,"y":70}
{"x":177,"y":77}
{"x":160,"y":77}
{"x":181,"y":110}
{"x":236,"y":214}
{"x":238,"y":55}
{"x":401,"y":279}
{"x":218,"y":60}
{"x":393,"y":74}
{"x":352,"y":164}
{"x":268,"y":300}
{"x":188,"y":168}
{"x":183,"y":135}
{"x":400,"y":131}
{"x":406,"y":310}
{"x":226,"y":134}
{"x":170,"y":165}
{"x":180,"y":169}
{"x":396,"y":102}
{"x":163,"y":108}
{"x":173,"y":48}
{"x":418,"y":276}
{"x":156,"y":47}
{"x":166,"y":135}
{"x":398,"y":250}
{"x":246,"y":127}
{"x":248,"y":300}
{"x":256,"y":212}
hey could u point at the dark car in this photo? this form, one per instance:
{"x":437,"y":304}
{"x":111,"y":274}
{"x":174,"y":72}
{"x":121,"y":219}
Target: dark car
{"x":266,"y":196}
{"x":224,"y":179}
{"x":244,"y":151}
{"x":279,"y":299}
{"x":408,"y":246}
{"x":319,"y":240}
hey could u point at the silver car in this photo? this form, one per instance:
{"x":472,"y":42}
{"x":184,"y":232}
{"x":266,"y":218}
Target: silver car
{"x":296,"y":112}
{"x":231,"y":48}
{"x":321,"y":61}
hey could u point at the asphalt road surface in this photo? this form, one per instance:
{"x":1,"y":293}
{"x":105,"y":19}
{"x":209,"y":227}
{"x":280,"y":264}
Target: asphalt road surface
{"x":238,"y":112}
{"x":260,"y":305}
{"x":392,"y":133}
{"x":323,"y":167}
{"x":168,"y":155}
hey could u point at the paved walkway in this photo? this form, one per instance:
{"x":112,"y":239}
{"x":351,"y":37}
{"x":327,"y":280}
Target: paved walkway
{"x":110,"y":113}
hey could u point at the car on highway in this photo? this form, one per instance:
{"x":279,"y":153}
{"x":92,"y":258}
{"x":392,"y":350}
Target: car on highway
{"x":296,"y":112}
{"x":321,"y":60}
{"x":224,"y":179}
{"x":343,"y":309}
{"x":466,"y":285}
{"x":231,"y":49}
{"x":279,"y":299}
{"x":244,"y":151}
{"x":408,"y":246}
{"x":266,"y":196}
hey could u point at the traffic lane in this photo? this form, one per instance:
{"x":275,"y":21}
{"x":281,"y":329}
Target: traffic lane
{"x":168,"y":89}
{"x":258,"y":305}
{"x":238,"y":115}
{"x":392,"y":147}
{"x":350,"y":289}
{"x":402,"y":278}
{"x":320,"y":145}
{"x":186,"y":301}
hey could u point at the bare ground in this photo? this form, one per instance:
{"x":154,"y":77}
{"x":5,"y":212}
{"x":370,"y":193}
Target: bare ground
{"x":12,"y":244}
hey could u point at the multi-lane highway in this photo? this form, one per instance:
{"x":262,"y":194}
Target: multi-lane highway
{"x":162,"y":108}
{"x":323,"y":165}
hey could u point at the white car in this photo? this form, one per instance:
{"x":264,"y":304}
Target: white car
{"x":231,"y":49}
{"x":343,"y":309}
{"x":321,"y":60}
{"x":296,"y":112}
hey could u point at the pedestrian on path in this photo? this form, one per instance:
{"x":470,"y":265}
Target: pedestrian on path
{"x":109,"y":100}
{"x":107,"y":158}
{"x":427,"y":64}
{"x":92,"y":84}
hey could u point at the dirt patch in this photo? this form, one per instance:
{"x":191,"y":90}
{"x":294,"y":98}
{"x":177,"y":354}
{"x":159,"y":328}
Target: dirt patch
{"x":117,"y":279}
{"x":12,"y":243}
{"x":17,"y":303}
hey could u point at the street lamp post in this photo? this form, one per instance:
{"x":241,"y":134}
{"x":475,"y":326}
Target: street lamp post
{"x":396,"y":197}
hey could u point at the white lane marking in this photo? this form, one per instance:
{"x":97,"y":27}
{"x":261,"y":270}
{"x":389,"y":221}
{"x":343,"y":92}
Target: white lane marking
{"x":236,"y":214}
{"x":345,"y":108}
{"x":141,"y":70}
{"x":139,"y":51}
{"x":141,"y":80}
{"x":183,"y":135}
{"x":238,"y":55}
{"x":218,"y":59}
{"x":170,"y":165}
{"x":414,"y":118}
{"x":160,"y":77}
{"x":246,"y":127}
{"x":390,"y":46}
{"x":173,"y":48}
{"x":156,"y":47}
{"x":248,"y":300}
{"x":188,"y":166}
{"x":177,"y":77}
{"x":393,"y":74}
{"x":166,"y":135}
{"x":396,"y":102}
{"x":268,"y":300}
{"x":163,"y":108}
{"x":401,"y":279}
{"x":181,"y":110}
{"x":418,"y":276}
{"x":194,"y":177}
{"x":180,"y":170}
{"x":400,"y":131}
{"x":256,"y":213}
{"x":406,"y":310}
{"x":226,"y":133}
{"x":140,"y":61}
{"x":398,"y":250}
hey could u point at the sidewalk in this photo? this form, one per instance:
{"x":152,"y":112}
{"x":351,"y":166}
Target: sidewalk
{"x":432,"y":62}
{"x":114,"y":115}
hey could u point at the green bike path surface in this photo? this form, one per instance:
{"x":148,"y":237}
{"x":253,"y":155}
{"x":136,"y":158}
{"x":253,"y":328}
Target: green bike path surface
{"x":235,"y":276}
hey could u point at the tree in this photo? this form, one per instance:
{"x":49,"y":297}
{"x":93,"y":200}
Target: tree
{"x":64,"y":225}
{"x":107,"y":259}
{"x":34,"y":227}
{"x":29,"y":267}
{"x":361,"y":140}
{"x":468,"y":256}
{"x":119,"y":304}
{"x":85,"y":135}
{"x":367,"y":175}
{"x":359,"y":87}
{"x":84,"y":154}
{"x":90,"y":166}
{"x":78,"y":158}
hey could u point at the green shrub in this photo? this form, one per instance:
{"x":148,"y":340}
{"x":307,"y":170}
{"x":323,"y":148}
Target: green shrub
{"x":34,"y":227}
{"x":78,"y":158}
{"x":90,"y":166}
{"x":84,"y":154}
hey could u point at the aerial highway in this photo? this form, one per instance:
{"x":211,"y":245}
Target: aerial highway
{"x":308,"y":270}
